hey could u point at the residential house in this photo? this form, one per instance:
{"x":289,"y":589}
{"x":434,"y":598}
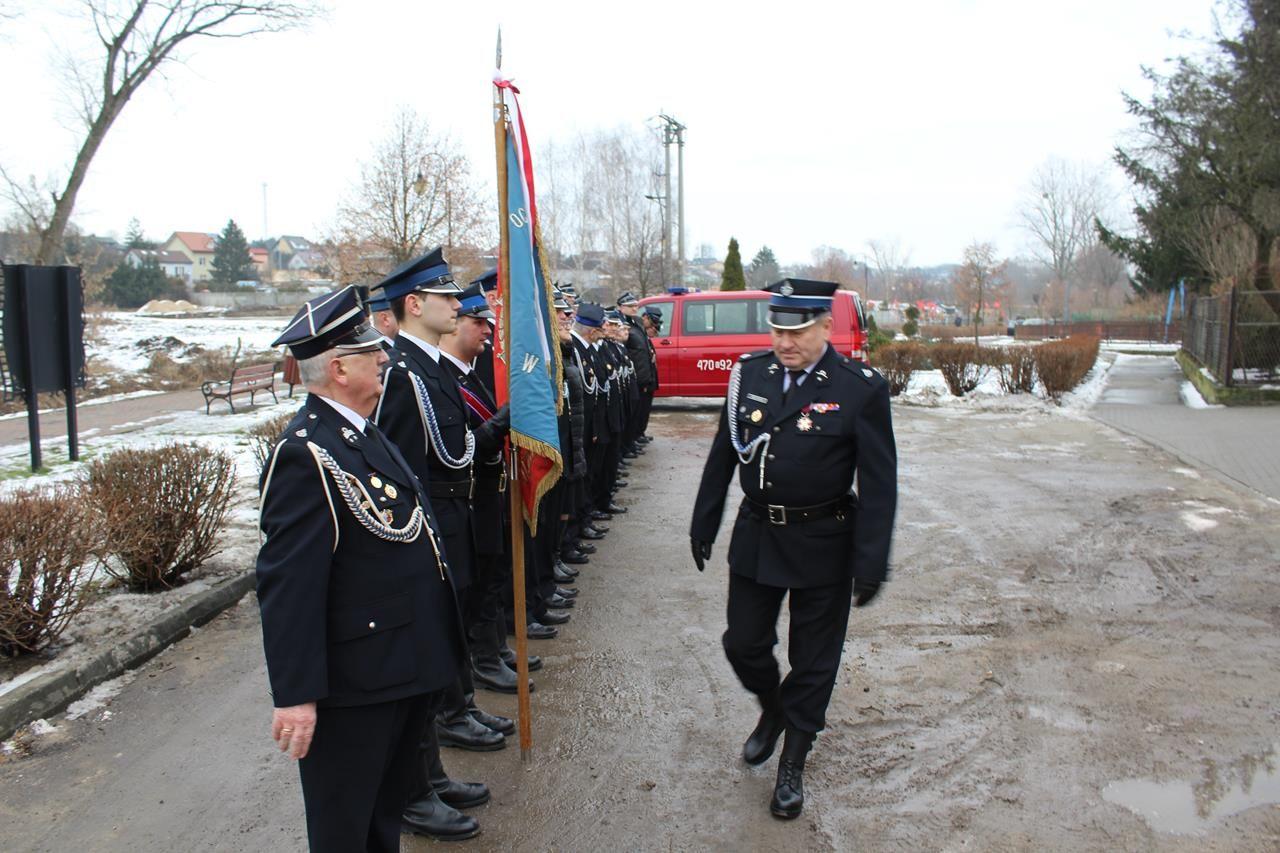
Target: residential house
{"x":198,"y":247}
{"x":286,"y":248}
{"x":172,"y":264}
{"x":261,"y":261}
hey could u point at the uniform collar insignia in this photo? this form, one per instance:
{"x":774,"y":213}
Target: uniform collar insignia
{"x":349,"y":434}
{"x":773,"y":368}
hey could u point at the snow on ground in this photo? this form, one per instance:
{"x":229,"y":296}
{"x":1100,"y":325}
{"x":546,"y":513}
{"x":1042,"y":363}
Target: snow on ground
{"x":928,"y":388}
{"x":115,"y":339}
{"x":1191,"y":397}
{"x":99,"y":696}
{"x":1152,"y":347}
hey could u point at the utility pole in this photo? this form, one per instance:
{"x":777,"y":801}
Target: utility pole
{"x":673,"y":132}
{"x":265,"y":233}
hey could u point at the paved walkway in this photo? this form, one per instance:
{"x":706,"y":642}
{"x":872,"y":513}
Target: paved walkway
{"x":1239,"y":443}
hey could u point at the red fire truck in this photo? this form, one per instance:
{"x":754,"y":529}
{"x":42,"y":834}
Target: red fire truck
{"x":704,"y":332}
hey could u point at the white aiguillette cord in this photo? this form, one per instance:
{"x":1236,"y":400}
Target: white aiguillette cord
{"x":746,"y":452}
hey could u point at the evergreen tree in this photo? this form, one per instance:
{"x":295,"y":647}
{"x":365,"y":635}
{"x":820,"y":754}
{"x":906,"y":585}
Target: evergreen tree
{"x":231,"y":261}
{"x":135,"y":239}
{"x":733,"y":278}
{"x":131,"y":287}
{"x":763,"y":270}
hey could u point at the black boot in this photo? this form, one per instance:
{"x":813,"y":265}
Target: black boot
{"x":458,"y":795}
{"x":431,"y":816}
{"x":759,"y":746}
{"x":788,"y":793}
{"x":491,"y":673}
{"x":509,"y":656}
{"x":457,"y":728}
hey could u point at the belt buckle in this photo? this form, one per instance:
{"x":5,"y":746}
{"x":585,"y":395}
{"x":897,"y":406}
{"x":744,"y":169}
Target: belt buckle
{"x":777,"y":514}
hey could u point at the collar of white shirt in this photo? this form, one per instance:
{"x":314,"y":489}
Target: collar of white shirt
{"x":462,"y":365}
{"x":356,"y":420}
{"x":808,"y":370}
{"x":430,"y":349}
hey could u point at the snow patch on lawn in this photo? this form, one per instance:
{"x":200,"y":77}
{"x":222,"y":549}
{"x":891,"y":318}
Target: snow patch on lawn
{"x":1191,"y":397}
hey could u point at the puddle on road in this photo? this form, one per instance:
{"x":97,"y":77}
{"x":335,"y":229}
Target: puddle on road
{"x":1191,"y":807}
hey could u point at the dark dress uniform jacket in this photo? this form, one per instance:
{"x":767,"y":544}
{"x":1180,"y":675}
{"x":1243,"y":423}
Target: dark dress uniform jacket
{"x":806,"y":467}
{"x":593,"y":412}
{"x":488,"y":505}
{"x":348,"y":618}
{"x":400,"y":418}
{"x":638,"y":347}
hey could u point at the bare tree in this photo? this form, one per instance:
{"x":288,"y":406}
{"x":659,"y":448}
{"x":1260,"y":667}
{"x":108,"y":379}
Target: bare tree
{"x":416,"y":191}
{"x":832,"y":264}
{"x":593,"y":207}
{"x":1223,"y":245}
{"x":137,"y":38}
{"x":1058,"y":211}
{"x":979,"y":279}
{"x":891,"y":261}
{"x":1101,"y":269}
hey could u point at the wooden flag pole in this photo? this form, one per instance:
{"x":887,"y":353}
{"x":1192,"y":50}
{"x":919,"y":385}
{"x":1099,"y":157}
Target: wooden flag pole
{"x":519,"y":614}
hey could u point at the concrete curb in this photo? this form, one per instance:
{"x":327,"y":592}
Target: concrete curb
{"x":52,"y":692}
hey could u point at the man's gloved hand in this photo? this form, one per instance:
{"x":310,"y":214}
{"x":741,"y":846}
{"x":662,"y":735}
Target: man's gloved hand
{"x":864,"y":592}
{"x":489,"y":435}
{"x":701,"y":552}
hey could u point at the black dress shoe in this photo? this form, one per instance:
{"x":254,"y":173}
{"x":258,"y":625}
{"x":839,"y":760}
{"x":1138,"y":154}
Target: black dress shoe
{"x":461,"y":795}
{"x":433,"y":817}
{"x":586,"y":548}
{"x":463,"y":732}
{"x":553,"y":618}
{"x":599,"y":515}
{"x":575,"y":558}
{"x":561,"y":567}
{"x":621,"y":483}
{"x":504,"y":725}
{"x":630,"y":454}
{"x":589,"y":532}
{"x":617,"y":510}
{"x":559,"y":602}
{"x":538,"y":631}
{"x":561,"y":577}
{"x":764,"y":738}
{"x":509,"y":658}
{"x":492,"y":674}
{"x":788,"y":792}
{"x":566,"y":592}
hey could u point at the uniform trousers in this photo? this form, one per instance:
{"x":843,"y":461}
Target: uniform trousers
{"x":359,"y":772}
{"x":819,"y":619}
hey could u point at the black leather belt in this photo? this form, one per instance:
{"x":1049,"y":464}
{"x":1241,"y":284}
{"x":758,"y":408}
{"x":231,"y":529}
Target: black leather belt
{"x":780,"y":515}
{"x":496,"y":484}
{"x":455,"y":489}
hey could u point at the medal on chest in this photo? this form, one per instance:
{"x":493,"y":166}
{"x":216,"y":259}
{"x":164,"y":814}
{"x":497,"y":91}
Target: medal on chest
{"x":804,"y":423}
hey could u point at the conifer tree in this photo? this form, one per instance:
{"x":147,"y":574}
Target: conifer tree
{"x":733,"y":278}
{"x":231,"y":261}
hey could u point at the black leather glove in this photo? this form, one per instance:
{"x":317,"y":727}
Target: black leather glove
{"x":864,"y":592}
{"x":489,"y":435}
{"x":701,"y":552}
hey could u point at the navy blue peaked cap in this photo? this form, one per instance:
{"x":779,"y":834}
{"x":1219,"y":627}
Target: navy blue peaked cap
{"x":590,"y":314}
{"x":335,"y":320}
{"x":427,"y":274}
{"x":797,"y":302}
{"x":473,"y":302}
{"x":488,"y":281}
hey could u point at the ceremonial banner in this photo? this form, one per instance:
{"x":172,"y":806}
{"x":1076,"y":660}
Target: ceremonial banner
{"x":529,"y":344}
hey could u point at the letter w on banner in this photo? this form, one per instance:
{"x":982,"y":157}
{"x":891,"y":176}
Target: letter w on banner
{"x":529,"y":344}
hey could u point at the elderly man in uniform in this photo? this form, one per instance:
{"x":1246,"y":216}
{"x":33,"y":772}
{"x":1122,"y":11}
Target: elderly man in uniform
{"x":360,"y":623}
{"x":810,"y":434}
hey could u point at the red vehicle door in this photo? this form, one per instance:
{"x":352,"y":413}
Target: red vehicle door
{"x":714,"y":333}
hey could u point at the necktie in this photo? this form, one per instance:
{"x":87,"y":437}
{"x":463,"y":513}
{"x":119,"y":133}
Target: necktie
{"x":796,"y":376}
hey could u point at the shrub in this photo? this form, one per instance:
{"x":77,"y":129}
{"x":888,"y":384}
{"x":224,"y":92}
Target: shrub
{"x":46,"y":540}
{"x":962,"y":365}
{"x":876,"y":337}
{"x":897,"y":361}
{"x":1062,"y":365}
{"x":161,"y":510}
{"x":263,"y":437}
{"x":1017,"y":369}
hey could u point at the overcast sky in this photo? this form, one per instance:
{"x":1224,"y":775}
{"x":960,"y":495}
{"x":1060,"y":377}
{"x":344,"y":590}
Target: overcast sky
{"x":808,"y":123}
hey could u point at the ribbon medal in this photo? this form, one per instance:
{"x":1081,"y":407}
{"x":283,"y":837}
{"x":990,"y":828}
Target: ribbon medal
{"x":823,"y":408}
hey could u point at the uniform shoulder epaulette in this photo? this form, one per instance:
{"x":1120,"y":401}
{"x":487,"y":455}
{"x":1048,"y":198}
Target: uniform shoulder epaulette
{"x":301,"y":428}
{"x":861,"y":370}
{"x":747,"y":356}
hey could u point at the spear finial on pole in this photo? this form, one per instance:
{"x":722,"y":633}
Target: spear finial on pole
{"x":498,"y":60}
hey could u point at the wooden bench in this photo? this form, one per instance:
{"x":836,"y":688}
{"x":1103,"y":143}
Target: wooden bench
{"x":249,"y":379}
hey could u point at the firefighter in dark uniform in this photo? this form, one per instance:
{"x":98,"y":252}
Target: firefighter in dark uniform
{"x":640,"y":349}
{"x":360,"y":624}
{"x":809,"y":432}
{"x":422,"y":411}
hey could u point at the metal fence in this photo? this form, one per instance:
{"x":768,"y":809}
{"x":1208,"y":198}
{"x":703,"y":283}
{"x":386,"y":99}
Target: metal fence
{"x":1106,"y":330}
{"x":1236,"y":336}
